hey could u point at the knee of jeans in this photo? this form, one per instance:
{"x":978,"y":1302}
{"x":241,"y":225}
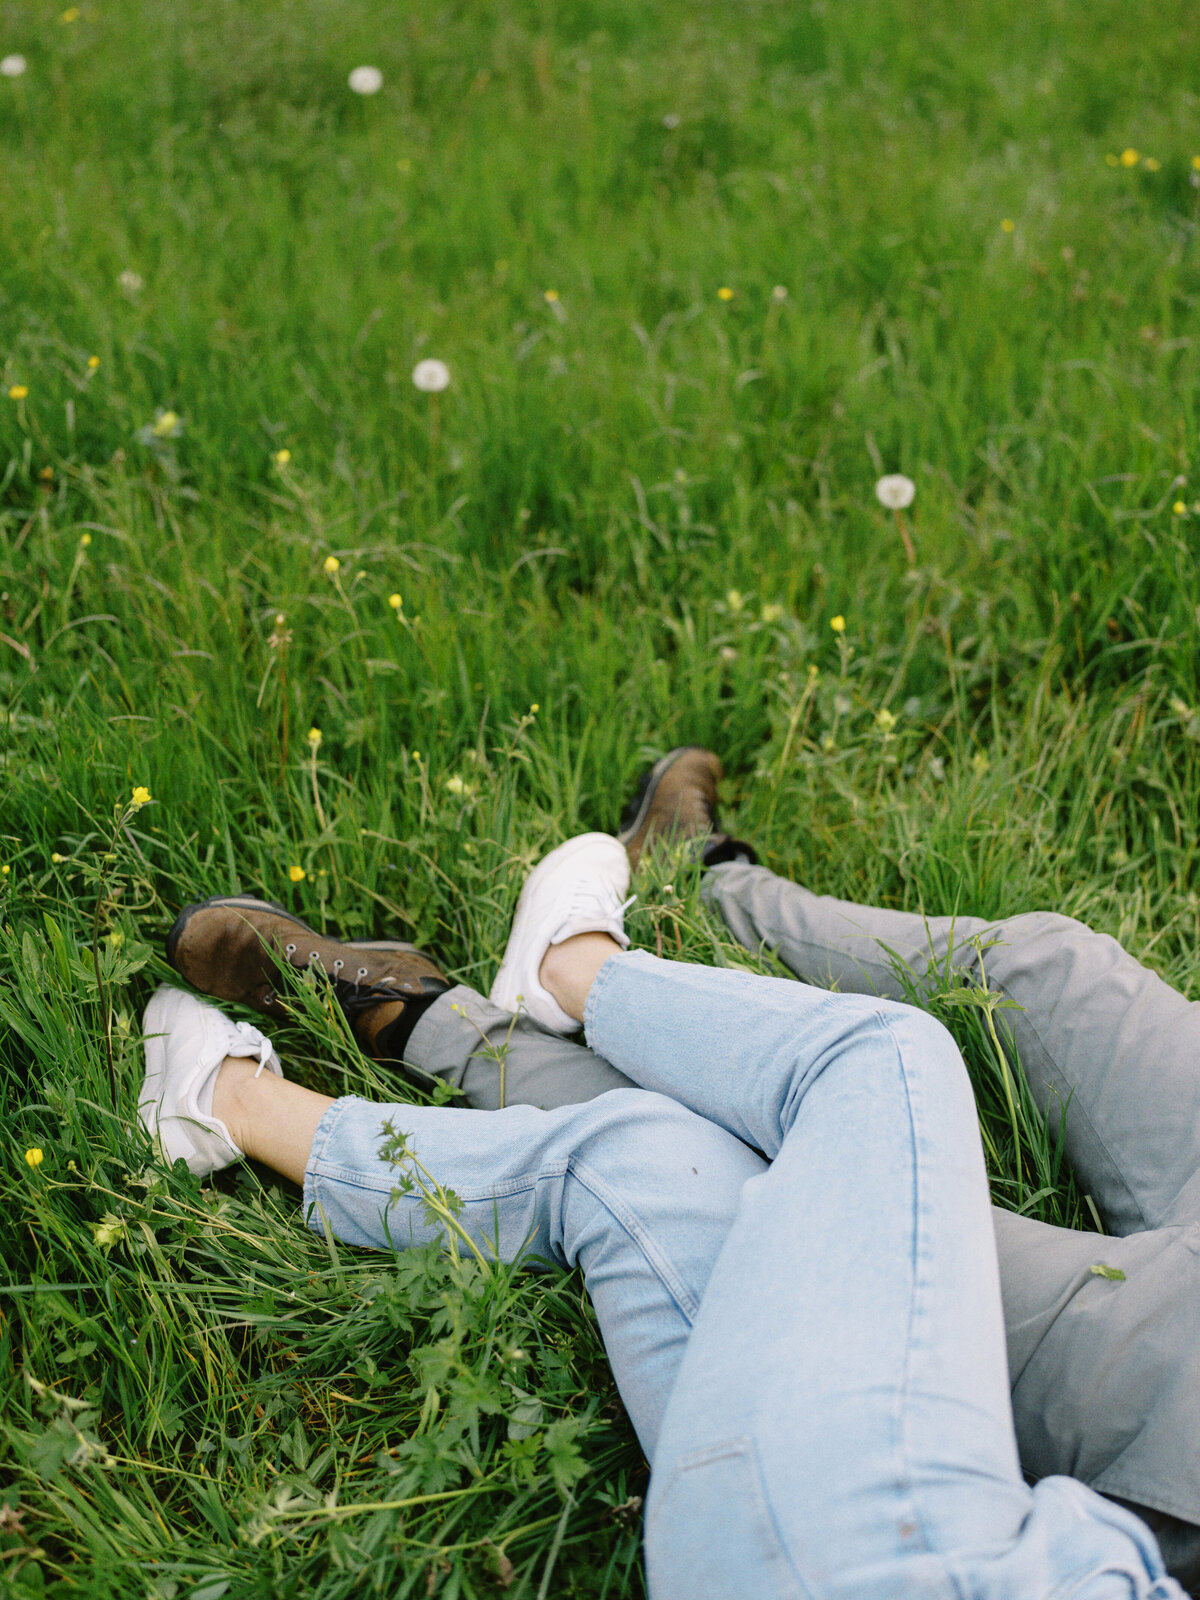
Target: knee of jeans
{"x":926,"y":1042}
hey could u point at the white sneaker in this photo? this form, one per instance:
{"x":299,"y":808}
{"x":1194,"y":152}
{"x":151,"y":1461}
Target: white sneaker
{"x":578,"y":888}
{"x":186,"y":1042}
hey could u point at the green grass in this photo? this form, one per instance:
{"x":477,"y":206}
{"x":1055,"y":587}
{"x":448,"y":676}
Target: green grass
{"x":636,"y":508}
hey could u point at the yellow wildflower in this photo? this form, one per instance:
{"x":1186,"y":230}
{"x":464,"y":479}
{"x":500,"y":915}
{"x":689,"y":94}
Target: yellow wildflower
{"x":1113,"y":161}
{"x":534,"y":709}
{"x":314,"y":738}
{"x":735,"y":600}
{"x":1130,"y":157}
{"x":34,"y":1157}
{"x":1151,"y":165}
{"x":282,"y":457}
{"x":5,"y":870}
{"x":772,"y":614}
{"x":1180,"y":508}
{"x":1007,"y":224}
{"x":404,"y":164}
{"x":396,"y":601}
{"x":18,"y":391}
{"x":297,"y":874}
{"x":1196,"y":163}
{"x":838,"y":624}
{"x":93,"y":363}
{"x":85,"y":539}
{"x":886,"y":719}
{"x":71,"y":14}
{"x":724,"y":293}
{"x":56,"y":858}
{"x":140,"y":796}
{"x":456,"y":785}
{"x":166,"y":425}
{"x":332,"y":565}
{"x":550,"y":296}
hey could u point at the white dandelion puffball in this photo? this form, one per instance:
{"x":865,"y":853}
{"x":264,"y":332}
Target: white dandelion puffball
{"x":12,"y":66}
{"x":431,"y":376}
{"x":896,"y":492}
{"x":366,"y":80}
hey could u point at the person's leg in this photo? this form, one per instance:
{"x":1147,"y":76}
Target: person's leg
{"x":1094,"y":1030}
{"x":841,"y":1423}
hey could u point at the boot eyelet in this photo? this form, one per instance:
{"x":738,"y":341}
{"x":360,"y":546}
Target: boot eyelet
{"x":289,"y":949}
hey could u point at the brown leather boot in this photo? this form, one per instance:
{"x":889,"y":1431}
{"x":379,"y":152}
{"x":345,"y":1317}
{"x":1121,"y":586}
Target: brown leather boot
{"x":677,"y":799}
{"x":232,"y":947}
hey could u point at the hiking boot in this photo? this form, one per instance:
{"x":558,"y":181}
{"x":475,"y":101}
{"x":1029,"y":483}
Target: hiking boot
{"x":677,"y":799}
{"x":232,"y":947}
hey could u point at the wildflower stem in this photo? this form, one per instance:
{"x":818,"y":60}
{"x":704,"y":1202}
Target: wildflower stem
{"x":909,"y":549}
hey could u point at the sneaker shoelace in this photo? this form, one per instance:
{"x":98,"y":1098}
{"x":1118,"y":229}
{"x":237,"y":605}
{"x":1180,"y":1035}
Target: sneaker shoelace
{"x":595,"y":899}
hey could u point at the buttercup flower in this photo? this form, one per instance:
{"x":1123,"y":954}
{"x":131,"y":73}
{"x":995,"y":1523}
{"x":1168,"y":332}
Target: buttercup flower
{"x":56,"y":858}
{"x":140,"y":796}
{"x":331,"y":565}
{"x":297,"y":874}
{"x":93,"y":363}
{"x":34,"y":1157}
{"x":396,"y":601}
{"x":1130,"y":157}
{"x":71,"y":14}
{"x":5,"y":870}
{"x":550,"y":296}
{"x":1180,"y":508}
{"x":724,"y":293}
{"x":895,"y":491}
{"x":456,"y":785}
{"x":18,"y":391}
{"x":314,"y":737}
{"x":431,"y":376}
{"x":85,"y":539}
{"x":281,"y":457}
{"x":366,"y":80}
{"x":12,"y":66}
{"x":1007,"y":224}
{"x":838,"y":624}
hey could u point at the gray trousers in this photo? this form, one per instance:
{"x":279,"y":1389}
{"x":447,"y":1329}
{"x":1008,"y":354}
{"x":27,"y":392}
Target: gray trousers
{"x":1105,"y":1374}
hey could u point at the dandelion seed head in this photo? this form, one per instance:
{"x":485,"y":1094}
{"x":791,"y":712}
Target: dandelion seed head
{"x":671,"y":120}
{"x":13,"y":66}
{"x":431,"y":376}
{"x":779,"y":294}
{"x":366,"y":80}
{"x":895,"y":491}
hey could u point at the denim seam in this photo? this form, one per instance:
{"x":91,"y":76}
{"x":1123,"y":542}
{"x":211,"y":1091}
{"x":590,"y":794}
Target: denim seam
{"x":324,"y":1132}
{"x":659,"y":1264}
{"x":353,"y":1178}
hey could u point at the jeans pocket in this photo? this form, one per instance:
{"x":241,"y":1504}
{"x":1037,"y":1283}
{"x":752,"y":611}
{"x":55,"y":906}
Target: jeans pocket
{"x":711,"y":1535}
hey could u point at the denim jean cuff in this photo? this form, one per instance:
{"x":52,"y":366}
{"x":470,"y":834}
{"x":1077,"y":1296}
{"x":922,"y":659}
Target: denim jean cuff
{"x":596,"y":994}
{"x":321,"y":1138}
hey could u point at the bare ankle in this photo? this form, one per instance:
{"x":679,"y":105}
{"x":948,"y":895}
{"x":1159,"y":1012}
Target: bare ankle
{"x":227,"y":1105}
{"x":569,"y":969}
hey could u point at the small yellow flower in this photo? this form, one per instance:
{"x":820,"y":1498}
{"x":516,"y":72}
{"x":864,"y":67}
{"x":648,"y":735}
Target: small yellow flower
{"x":886,"y":719}
{"x":838,"y":624}
{"x":455,"y":785}
{"x":772,"y":614}
{"x":140,"y":796}
{"x":332,"y":565}
{"x":534,"y":709}
{"x":166,"y":425}
{"x":735,"y":600}
{"x":396,"y":601}
{"x":34,"y":1157}
{"x":93,"y":363}
{"x":71,"y":14}
{"x":724,"y":293}
{"x":404,"y":164}
{"x":1196,"y":163}
{"x":18,"y":391}
{"x":1152,"y":165}
{"x":1007,"y":224}
{"x":85,"y":539}
{"x":1130,"y":157}
{"x":1180,"y":508}
{"x":56,"y":858}
{"x":980,"y":762}
{"x":314,"y":738}
{"x":282,"y":457}
{"x":1113,"y":161}
{"x":5,"y":870}
{"x":550,"y":296}
{"x":297,"y":874}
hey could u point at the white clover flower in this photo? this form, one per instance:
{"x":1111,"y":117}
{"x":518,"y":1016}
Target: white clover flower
{"x":366,"y":80}
{"x":12,"y":66}
{"x":895,"y":491}
{"x":431,"y":376}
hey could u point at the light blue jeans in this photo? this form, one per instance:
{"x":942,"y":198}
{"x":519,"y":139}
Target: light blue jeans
{"x":812,"y":1352}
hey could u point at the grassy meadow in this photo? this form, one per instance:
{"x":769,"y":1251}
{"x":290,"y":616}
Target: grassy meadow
{"x":701,"y":274}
